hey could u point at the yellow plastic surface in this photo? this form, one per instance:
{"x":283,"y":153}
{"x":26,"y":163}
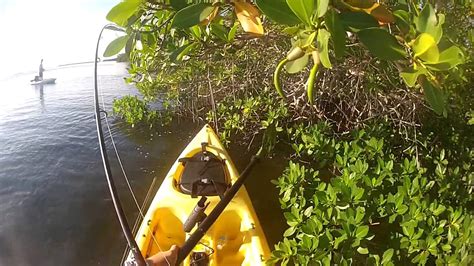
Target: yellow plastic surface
{"x":236,"y":237}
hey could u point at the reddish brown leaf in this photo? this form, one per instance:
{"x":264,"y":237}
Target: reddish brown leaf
{"x":249,"y":18}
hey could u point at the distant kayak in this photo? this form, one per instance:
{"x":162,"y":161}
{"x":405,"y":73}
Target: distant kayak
{"x":44,"y":81}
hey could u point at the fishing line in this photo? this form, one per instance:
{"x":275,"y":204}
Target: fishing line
{"x":121,"y":216}
{"x":125,"y":174}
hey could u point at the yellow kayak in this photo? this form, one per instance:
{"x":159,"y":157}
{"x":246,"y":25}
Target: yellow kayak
{"x":203,"y":171}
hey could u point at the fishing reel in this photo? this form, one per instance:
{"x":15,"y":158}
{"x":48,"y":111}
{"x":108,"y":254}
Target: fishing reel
{"x":199,"y":259}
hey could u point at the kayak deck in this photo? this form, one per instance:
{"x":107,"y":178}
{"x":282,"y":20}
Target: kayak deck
{"x":236,"y":238}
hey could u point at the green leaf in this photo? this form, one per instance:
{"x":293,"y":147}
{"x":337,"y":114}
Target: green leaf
{"x":306,"y":242}
{"x":322,"y":7}
{"x":232,"y":31}
{"x":178,"y":4}
{"x":408,"y":230}
{"x":382,"y":44}
{"x":448,"y":59}
{"x":291,"y":219}
{"x":362,"y":250}
{"x":303,"y":9}
{"x":191,"y":15}
{"x":297,"y":65}
{"x":434,"y":96}
{"x":387,"y":256}
{"x":120,"y":13}
{"x":410,"y":76}
{"x":323,"y":49}
{"x":425,"y":48}
{"x":179,"y":53}
{"x":439,"y":210}
{"x":308,"y":211}
{"x":446,"y":247}
{"x":356,"y":21}
{"x":338,"y":240}
{"x":428,"y":22}
{"x":362,"y":231}
{"x":196,"y":31}
{"x":402,"y":19}
{"x":220,"y":31}
{"x":338,"y":33}
{"x":278,"y":10}
{"x":116,"y":46}
{"x":290,"y":231}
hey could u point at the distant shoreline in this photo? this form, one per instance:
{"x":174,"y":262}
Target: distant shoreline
{"x":86,"y":62}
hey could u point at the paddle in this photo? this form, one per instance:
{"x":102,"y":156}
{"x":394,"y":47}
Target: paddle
{"x":194,"y":239}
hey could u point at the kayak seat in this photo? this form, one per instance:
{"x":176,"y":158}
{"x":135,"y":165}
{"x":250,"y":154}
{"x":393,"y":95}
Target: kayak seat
{"x":229,"y":239}
{"x":203,"y":175}
{"x":167,"y":230}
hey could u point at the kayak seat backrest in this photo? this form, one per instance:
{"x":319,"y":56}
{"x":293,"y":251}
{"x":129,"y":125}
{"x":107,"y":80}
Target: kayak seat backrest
{"x":204,"y":174}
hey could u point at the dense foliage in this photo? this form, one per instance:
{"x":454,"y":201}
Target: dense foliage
{"x":364,"y":202}
{"x":411,"y":36}
{"x":376,"y":177}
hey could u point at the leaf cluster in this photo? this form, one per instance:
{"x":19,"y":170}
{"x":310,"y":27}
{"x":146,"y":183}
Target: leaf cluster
{"x":363,"y":202}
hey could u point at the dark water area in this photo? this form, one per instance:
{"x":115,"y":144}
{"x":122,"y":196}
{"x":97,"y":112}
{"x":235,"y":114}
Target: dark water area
{"x":55,"y":208}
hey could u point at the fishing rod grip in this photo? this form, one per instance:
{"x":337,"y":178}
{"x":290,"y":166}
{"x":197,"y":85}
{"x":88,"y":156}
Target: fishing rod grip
{"x":192,"y":241}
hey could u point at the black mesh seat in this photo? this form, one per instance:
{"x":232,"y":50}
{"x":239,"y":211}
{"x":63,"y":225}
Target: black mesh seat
{"x":203,"y":175}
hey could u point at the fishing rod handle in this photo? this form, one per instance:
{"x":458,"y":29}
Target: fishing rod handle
{"x":192,"y":241}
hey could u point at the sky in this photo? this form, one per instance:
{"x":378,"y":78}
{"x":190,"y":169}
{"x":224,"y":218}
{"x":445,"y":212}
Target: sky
{"x":58,"y":31}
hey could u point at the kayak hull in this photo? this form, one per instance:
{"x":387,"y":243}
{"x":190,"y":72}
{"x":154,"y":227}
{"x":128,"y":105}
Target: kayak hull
{"x":44,"y":81}
{"x":236,"y":238}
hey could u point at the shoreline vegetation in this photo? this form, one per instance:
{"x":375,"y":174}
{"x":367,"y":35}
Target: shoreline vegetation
{"x":371,"y":104}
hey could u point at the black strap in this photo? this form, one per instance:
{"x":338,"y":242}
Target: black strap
{"x":217,"y":186}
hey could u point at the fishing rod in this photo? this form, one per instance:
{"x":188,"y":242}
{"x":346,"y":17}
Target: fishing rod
{"x":137,"y":259}
{"x":203,"y":227}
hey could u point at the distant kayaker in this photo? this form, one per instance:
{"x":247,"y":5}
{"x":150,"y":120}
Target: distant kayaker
{"x":41,"y":70}
{"x":164,"y":258}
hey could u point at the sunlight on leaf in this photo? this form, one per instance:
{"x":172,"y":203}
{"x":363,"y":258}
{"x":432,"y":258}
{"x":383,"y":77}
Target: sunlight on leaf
{"x":116,"y":46}
{"x":297,"y":65}
{"x":249,"y":18}
{"x":303,"y":9}
{"x":120,"y":13}
{"x":410,"y":76}
{"x":323,"y":39}
{"x":382,"y":14}
{"x":448,"y":59}
{"x":425,"y":48}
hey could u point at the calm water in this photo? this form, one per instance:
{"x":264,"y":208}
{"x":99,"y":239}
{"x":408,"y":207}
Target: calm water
{"x":54,"y":204}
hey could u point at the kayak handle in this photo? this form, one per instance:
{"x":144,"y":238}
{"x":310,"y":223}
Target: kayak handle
{"x":194,"y":239}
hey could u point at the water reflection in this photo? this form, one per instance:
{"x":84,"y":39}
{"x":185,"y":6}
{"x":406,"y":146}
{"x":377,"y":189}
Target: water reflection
{"x":40,"y":87}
